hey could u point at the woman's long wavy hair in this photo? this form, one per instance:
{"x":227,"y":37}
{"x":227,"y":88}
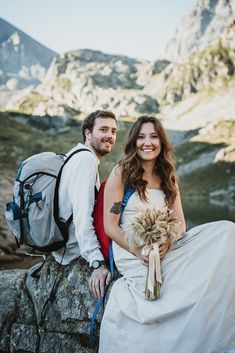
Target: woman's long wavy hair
{"x":132,"y":171}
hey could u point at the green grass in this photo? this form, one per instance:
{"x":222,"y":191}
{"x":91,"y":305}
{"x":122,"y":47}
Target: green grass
{"x":19,"y":141}
{"x":30,"y":102}
{"x":222,"y":132}
{"x":220,"y":135}
{"x":190,"y":151}
{"x":64,"y":83}
{"x":213,"y":177}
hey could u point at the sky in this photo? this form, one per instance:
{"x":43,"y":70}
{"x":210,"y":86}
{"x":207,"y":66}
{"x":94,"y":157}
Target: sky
{"x":136,"y":28}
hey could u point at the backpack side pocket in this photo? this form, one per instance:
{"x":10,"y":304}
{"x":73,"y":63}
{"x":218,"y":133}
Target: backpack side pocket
{"x":17,"y":222}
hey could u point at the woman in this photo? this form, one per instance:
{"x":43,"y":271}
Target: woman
{"x":196,"y":310}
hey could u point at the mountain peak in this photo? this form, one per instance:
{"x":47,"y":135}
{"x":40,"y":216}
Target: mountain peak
{"x":200,"y":27}
{"x":7,"y":30}
{"x":22,"y":59}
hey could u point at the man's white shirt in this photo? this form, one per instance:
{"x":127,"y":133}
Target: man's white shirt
{"x":77,"y":195}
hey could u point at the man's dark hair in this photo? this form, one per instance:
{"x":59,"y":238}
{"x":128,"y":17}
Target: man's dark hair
{"x":89,"y":121}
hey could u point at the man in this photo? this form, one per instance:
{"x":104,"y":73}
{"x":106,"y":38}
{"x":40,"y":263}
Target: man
{"x":77,"y":196}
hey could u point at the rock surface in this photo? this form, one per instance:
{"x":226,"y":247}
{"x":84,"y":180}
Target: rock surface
{"x":33,"y":320}
{"x":23,"y":60}
{"x":86,"y":80}
{"x":203,"y":71}
{"x":199,"y":28}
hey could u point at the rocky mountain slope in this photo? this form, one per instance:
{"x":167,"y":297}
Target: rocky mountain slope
{"x":205,"y":70}
{"x":85,"y":80}
{"x":199,"y":28}
{"x":23,"y":60}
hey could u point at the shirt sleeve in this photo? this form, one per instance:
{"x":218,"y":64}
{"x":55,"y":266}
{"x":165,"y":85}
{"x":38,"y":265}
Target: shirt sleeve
{"x":81,"y":189}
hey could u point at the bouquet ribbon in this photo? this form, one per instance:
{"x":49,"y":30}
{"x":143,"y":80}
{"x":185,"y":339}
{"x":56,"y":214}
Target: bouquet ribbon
{"x":154,"y":272}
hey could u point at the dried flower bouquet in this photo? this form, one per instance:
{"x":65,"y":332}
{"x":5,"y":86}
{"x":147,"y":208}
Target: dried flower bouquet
{"x":150,"y":229}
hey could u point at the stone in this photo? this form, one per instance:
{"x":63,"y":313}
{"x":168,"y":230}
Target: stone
{"x":10,"y":292}
{"x":47,"y":313}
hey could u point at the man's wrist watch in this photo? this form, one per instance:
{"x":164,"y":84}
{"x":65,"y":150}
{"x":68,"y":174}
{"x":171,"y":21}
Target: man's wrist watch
{"x":96,"y":264}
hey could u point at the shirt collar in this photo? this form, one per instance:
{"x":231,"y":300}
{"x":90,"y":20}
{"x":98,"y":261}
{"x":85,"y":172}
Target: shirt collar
{"x":81,"y":145}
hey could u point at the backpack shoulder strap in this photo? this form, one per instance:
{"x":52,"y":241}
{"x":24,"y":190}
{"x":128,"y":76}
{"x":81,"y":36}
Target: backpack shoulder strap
{"x":128,"y":191}
{"x":63,"y":226}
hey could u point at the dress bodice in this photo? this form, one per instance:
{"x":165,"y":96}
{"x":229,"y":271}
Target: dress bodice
{"x":156,"y":199}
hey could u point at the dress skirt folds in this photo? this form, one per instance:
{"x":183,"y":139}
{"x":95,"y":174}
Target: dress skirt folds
{"x":196,"y":310}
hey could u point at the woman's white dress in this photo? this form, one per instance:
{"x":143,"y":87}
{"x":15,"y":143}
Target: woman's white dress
{"x":196,"y":310}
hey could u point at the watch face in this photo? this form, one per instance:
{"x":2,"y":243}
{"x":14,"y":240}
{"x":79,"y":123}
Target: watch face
{"x":96,"y":264}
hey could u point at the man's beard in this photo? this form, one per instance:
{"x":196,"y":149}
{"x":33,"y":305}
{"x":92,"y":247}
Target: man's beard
{"x":96,"y":146}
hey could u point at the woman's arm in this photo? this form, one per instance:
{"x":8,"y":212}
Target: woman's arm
{"x":179,"y":213}
{"x":177,"y":209}
{"x":113,"y":195}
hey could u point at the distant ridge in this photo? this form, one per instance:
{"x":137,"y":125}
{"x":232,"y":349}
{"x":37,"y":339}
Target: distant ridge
{"x":22,"y":59}
{"x":7,"y":29}
{"x":199,"y":28}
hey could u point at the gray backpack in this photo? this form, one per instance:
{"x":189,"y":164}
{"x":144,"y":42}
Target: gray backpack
{"x":33,"y":215}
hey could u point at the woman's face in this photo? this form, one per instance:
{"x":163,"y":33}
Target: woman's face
{"x":148,"y":144}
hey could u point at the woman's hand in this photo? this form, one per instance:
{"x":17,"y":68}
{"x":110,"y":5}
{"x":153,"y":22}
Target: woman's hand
{"x":137,"y":251}
{"x":144,"y":257}
{"x":164,"y":248}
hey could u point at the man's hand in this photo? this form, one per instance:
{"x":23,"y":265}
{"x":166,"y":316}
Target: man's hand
{"x":98,"y":279}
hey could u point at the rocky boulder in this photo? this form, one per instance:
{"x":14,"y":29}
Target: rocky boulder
{"x":51,"y":313}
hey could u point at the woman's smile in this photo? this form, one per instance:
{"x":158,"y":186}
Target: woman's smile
{"x":148,"y":144}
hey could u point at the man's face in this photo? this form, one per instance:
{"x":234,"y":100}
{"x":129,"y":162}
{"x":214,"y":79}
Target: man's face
{"x":103,"y":136}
